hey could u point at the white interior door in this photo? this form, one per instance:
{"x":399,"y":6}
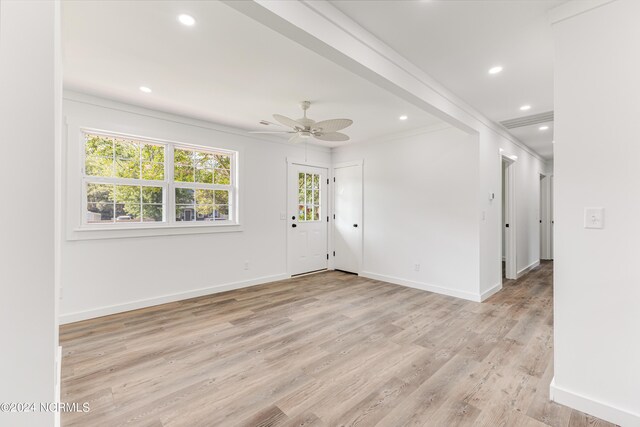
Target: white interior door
{"x":348,"y":221}
{"x":308,"y":218}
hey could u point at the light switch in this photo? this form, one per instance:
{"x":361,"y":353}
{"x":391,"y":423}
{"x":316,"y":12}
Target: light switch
{"x":593,"y":217}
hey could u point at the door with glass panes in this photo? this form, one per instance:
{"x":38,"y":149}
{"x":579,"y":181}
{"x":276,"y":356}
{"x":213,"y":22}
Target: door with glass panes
{"x":308,"y":219}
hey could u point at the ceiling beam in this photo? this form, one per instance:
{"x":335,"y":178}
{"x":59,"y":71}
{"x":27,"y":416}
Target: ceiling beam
{"x":324,"y":29}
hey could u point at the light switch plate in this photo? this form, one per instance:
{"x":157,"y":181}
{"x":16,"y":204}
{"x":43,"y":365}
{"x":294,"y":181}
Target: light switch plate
{"x":593,"y":217}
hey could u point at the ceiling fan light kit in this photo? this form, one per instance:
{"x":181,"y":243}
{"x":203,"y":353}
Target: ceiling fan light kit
{"x":304,"y":128}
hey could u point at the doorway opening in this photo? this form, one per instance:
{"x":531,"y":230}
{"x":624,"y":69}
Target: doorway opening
{"x":546,"y":215}
{"x":509,"y":265}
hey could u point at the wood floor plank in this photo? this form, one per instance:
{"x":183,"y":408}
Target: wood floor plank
{"x":328,"y":349}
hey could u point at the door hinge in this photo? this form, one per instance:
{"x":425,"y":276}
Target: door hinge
{"x":334,"y":216}
{"x":327,"y":256}
{"x":334,"y":253}
{"x":327,"y":181}
{"x":327,"y":218}
{"x":334,"y":179}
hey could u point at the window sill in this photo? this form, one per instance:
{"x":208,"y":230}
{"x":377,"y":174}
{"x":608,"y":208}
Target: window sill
{"x":129,"y":231}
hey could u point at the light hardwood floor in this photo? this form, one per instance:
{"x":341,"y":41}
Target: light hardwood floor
{"x":329,"y":349}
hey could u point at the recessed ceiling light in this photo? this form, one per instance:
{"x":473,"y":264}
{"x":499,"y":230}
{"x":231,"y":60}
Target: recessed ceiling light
{"x":495,"y":70}
{"x":543,"y":127}
{"x":525,"y":107}
{"x":187,"y":20}
{"x":145,"y":89}
{"x":403,"y":117}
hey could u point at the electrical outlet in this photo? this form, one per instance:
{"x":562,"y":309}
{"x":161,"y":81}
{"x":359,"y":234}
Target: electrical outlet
{"x":416,"y":267}
{"x":246,"y":265}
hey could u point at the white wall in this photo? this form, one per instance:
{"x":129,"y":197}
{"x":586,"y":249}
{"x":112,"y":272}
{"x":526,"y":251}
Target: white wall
{"x":597,"y":164}
{"x":324,"y":29}
{"x":105,"y":276}
{"x":420,"y":208}
{"x":28,"y":82}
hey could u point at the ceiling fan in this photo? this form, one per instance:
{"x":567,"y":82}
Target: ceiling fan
{"x":304,"y":128}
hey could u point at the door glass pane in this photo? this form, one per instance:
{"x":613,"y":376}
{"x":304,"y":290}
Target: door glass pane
{"x":309,"y":197}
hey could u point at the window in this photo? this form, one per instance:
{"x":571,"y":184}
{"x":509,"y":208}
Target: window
{"x":134,"y":181}
{"x":202,"y":185}
{"x":309,"y":197}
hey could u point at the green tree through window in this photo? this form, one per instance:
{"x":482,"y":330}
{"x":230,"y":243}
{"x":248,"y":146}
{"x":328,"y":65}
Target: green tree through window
{"x":126,"y":181}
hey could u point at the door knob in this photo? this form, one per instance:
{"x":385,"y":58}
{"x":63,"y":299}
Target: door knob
{"x":294,"y":225}
{"x":355,"y":225}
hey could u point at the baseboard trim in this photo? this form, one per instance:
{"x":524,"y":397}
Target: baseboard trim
{"x":491,"y":291}
{"x":527,"y":269}
{"x":149,"y":302}
{"x":423,"y":286}
{"x":592,"y":407}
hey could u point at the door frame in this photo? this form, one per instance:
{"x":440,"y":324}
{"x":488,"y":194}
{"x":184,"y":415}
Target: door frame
{"x":333,"y":212}
{"x":510,"y":250}
{"x":289,"y":208}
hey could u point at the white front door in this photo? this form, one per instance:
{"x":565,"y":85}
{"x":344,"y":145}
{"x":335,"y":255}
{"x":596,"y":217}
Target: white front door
{"x":308,"y":219}
{"x":348,"y":221}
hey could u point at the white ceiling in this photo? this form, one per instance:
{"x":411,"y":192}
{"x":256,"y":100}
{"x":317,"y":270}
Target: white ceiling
{"x":227,"y":68}
{"x":457,"y":41}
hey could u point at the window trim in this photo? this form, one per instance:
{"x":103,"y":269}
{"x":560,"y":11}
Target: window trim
{"x":168,"y":184}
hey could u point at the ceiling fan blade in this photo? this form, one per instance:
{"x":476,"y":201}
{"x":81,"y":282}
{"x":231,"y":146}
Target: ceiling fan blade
{"x":287,"y":121}
{"x":332,"y":125}
{"x":273,"y":132}
{"x":332,"y":136}
{"x":267,"y":122}
{"x":296,"y":138}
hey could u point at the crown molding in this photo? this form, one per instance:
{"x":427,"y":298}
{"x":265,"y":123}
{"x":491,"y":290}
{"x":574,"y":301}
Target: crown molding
{"x":574,"y":8}
{"x":84,"y":98}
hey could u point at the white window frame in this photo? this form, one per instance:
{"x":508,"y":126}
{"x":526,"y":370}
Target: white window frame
{"x":168,"y":185}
